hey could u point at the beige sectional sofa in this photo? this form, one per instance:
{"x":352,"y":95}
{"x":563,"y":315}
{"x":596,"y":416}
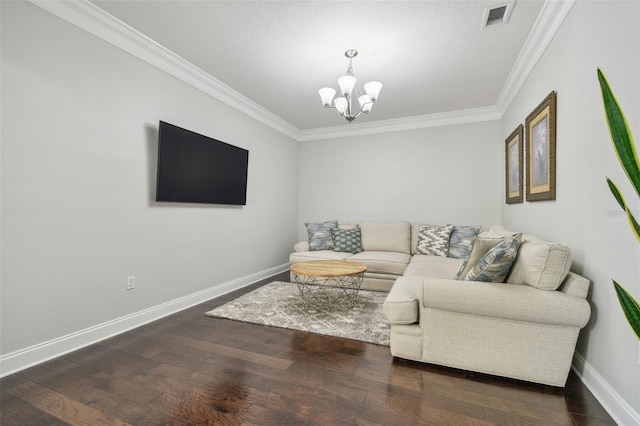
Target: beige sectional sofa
{"x":525,"y":328}
{"x":389,"y":252}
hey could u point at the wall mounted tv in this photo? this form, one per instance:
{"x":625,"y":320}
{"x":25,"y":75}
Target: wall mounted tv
{"x":193,"y":168}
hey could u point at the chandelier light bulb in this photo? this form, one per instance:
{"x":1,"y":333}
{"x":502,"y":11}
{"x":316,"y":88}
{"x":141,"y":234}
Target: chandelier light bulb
{"x":346,"y":83}
{"x":373,"y":89}
{"x":365,"y":103}
{"x":327,"y":94}
{"x":341,"y":105}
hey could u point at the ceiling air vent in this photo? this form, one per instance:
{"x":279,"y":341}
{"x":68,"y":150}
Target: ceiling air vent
{"x":497,"y":14}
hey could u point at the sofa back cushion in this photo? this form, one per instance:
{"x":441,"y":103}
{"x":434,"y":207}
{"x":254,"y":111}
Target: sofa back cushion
{"x":540,"y":264}
{"x":386,"y":236}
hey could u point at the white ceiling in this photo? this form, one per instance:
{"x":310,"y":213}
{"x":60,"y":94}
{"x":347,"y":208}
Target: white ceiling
{"x":431,"y":56}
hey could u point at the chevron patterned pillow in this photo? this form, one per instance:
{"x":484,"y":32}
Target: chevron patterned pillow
{"x":434,"y":240}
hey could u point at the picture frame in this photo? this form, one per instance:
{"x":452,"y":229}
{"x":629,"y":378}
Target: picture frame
{"x":540,"y":132}
{"x":513,"y":146}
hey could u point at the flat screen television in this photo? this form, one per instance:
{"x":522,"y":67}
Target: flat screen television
{"x":193,"y":168}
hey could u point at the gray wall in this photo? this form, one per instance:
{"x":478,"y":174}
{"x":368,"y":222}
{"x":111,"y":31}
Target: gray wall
{"x":585,"y":215}
{"x":79,"y":141}
{"x":455,"y":174}
{"x":437,"y":175}
{"x":79,"y":125}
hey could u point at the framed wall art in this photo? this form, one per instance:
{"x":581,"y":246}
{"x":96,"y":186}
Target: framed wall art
{"x":540,"y":129}
{"x":513,"y":166}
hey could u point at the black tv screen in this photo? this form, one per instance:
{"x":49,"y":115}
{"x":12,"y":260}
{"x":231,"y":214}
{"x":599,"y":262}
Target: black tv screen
{"x":193,"y":168}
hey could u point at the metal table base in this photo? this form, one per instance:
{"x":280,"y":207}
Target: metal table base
{"x":329,"y":292}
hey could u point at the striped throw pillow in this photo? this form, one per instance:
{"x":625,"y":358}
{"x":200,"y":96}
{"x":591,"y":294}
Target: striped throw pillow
{"x":320,"y":235}
{"x":495,"y":265}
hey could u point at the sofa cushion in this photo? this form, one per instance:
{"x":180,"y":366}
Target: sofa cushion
{"x":461,"y":241}
{"x":497,"y":231}
{"x":306,"y":256}
{"x":434,"y":240}
{"x":496,"y":264}
{"x":320,"y":235}
{"x":386,"y":236}
{"x":384,"y":262}
{"x":481,"y":245}
{"x":301,"y":246}
{"x":347,"y":240}
{"x":422,"y":265}
{"x":541,"y":265}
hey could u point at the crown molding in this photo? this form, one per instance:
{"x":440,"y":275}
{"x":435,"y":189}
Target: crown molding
{"x":402,"y":124}
{"x":96,"y":21}
{"x":551,"y":16}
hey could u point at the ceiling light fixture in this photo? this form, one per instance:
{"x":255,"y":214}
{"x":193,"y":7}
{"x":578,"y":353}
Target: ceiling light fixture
{"x":347,"y":84}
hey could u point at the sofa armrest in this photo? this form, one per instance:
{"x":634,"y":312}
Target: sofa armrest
{"x":575,"y":285}
{"x":507,"y":301}
{"x":301,"y":246}
{"x":402,"y":305}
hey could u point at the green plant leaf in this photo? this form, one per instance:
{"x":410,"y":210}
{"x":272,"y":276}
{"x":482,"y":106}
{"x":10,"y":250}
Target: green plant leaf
{"x":620,"y":134}
{"x":626,"y":152}
{"x":630,"y":308}
{"x":635,"y":227}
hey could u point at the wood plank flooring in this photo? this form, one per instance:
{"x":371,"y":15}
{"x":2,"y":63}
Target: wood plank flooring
{"x":192,"y":369}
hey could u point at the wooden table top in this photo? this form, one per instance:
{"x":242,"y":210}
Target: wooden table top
{"x":328,"y":268}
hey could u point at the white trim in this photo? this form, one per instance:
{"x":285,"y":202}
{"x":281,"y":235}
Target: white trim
{"x":551,"y":17}
{"x":37,"y":354}
{"x":401,"y":124}
{"x":621,"y":412}
{"x":96,"y":21}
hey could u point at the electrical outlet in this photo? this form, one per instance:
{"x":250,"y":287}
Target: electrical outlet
{"x":131,"y":282}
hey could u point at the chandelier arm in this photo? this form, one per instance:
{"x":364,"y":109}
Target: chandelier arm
{"x":360,"y":110}
{"x":350,"y":117}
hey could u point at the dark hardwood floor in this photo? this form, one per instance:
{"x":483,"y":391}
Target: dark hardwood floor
{"x":192,"y":369}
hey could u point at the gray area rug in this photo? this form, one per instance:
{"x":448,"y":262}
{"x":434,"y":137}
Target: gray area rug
{"x":279,"y":304}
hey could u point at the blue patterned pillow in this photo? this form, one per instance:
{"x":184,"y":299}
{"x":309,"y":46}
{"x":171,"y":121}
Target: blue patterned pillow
{"x":461,"y":241}
{"x":494,"y":266}
{"x":347,"y":240}
{"x":320,"y":235}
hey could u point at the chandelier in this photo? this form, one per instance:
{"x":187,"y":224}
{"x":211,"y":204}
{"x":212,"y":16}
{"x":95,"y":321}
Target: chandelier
{"x":343,"y":103}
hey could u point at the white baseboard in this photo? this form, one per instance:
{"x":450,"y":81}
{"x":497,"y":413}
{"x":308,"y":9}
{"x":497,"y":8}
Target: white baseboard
{"x":37,"y":354}
{"x":621,"y":412}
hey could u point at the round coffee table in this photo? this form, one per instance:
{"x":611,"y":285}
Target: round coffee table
{"x":328,"y":283}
